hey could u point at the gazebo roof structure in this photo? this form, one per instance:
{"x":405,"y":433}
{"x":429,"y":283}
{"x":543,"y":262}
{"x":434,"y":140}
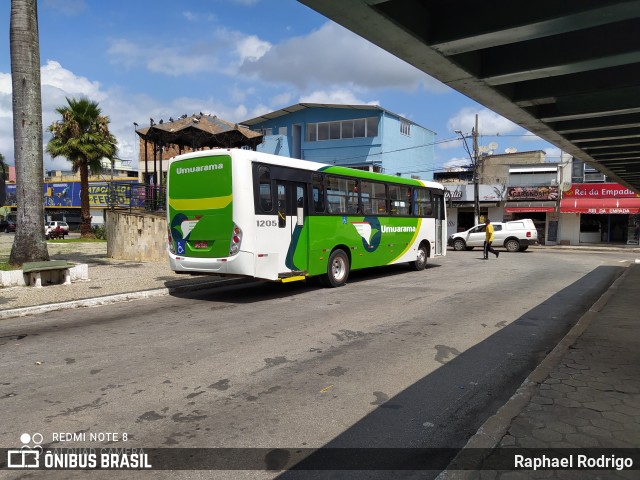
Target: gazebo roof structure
{"x":199,"y":131}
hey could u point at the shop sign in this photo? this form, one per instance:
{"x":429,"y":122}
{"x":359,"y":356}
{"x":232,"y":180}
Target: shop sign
{"x":612,"y":211}
{"x":599,"y":190}
{"x":532,"y":193}
{"x":464,"y":193}
{"x":453,"y":194}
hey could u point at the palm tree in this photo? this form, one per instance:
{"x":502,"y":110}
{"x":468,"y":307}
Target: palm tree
{"x":29,"y":243}
{"x":83,"y":137}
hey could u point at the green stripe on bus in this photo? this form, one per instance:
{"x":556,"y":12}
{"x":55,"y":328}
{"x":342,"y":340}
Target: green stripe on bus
{"x":362,"y":174}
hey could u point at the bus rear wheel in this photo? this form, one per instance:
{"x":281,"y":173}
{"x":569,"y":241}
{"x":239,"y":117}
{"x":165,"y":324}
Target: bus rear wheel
{"x":337,"y":269}
{"x":421,"y":259}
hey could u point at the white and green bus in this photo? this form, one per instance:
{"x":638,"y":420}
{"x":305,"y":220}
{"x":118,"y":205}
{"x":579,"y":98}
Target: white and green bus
{"x":240,"y":212}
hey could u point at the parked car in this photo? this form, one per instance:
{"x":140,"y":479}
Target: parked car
{"x":515,"y":236}
{"x":53,"y":225}
{"x":7,"y":226}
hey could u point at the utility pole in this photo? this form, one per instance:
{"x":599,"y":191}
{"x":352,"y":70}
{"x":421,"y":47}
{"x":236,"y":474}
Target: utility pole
{"x":476,"y":159}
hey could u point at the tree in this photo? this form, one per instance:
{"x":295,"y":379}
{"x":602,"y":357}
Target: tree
{"x":29,"y":243}
{"x":82,"y":136}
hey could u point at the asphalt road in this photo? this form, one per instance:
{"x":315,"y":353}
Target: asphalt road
{"x":394,"y":359}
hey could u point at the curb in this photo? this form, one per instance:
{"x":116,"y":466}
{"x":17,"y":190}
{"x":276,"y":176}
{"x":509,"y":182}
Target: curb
{"x":116,"y":298}
{"x":495,"y":427}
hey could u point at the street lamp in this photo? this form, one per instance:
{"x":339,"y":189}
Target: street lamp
{"x":474,"y":163}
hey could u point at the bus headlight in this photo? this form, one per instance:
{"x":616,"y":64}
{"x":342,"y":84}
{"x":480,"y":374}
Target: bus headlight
{"x":236,"y":240}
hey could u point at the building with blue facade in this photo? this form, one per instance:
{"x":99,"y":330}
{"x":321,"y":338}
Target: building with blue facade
{"x":358,"y":136}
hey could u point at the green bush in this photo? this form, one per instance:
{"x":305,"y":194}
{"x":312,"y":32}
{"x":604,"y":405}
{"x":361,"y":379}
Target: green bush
{"x":100,"y":232}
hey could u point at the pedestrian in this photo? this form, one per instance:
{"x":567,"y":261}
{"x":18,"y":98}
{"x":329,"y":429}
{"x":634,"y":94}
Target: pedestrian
{"x":488,"y":240}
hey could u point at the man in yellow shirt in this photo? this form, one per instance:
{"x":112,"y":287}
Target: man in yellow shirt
{"x":488,"y":239}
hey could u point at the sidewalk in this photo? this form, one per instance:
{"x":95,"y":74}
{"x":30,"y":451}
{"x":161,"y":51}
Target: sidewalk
{"x":584,"y":394}
{"x":110,"y":281}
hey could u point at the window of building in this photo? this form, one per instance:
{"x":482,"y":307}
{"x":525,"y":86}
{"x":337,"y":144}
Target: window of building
{"x":337,"y":130}
{"x":405,"y":127}
{"x":372,"y":126}
{"x":323,"y":131}
{"x":312,"y":132}
{"x":347,"y":129}
{"x":359,"y":128}
{"x":334,"y":130}
{"x":282,"y":131}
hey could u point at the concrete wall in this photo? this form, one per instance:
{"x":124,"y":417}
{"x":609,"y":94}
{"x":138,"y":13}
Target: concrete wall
{"x":136,"y":236}
{"x":569,"y":229}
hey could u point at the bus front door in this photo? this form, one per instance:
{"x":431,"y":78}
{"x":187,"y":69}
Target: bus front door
{"x":292,"y":212}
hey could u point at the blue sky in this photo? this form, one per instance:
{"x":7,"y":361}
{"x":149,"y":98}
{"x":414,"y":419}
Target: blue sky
{"x":233,"y":58}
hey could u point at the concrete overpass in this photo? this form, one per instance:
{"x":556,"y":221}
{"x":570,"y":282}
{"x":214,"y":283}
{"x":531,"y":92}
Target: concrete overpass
{"x":568,"y":71}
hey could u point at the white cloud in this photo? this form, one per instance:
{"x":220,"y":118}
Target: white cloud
{"x":251,"y":48}
{"x":173,"y":61}
{"x":198,"y":17}
{"x":332,"y":55}
{"x":54,"y":75}
{"x":553,"y":154}
{"x":489,"y":123}
{"x":456,"y":163}
{"x":338,"y":96}
{"x":190,"y":16}
{"x":282,"y":99}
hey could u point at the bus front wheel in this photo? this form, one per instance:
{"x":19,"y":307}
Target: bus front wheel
{"x":337,"y":269}
{"x":421,"y":260}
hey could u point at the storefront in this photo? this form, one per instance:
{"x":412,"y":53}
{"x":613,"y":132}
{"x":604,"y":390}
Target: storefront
{"x":607,"y":213}
{"x":536,"y":203}
{"x":460,"y":205}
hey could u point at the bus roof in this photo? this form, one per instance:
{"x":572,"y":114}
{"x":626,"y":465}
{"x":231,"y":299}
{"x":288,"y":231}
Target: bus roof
{"x":251,"y":155}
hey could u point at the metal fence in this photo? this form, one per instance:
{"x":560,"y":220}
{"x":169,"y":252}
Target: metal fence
{"x":136,"y":196}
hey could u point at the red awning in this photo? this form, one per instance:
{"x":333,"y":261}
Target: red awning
{"x":623,"y":206}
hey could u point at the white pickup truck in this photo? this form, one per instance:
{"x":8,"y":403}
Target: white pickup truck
{"x":515,"y":236}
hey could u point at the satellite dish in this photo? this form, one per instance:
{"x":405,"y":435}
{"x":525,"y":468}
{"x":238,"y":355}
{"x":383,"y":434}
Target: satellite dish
{"x":565,"y":186}
{"x":510,"y":150}
{"x":493,"y":146}
{"x":483,"y":149}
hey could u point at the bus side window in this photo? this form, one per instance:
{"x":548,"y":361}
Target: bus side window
{"x":439,"y":204}
{"x":339,"y":192}
{"x":374,"y":198}
{"x":400,"y":198}
{"x":422,"y":206}
{"x":282,"y":206}
{"x":318,"y":194}
{"x":266,"y":199}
